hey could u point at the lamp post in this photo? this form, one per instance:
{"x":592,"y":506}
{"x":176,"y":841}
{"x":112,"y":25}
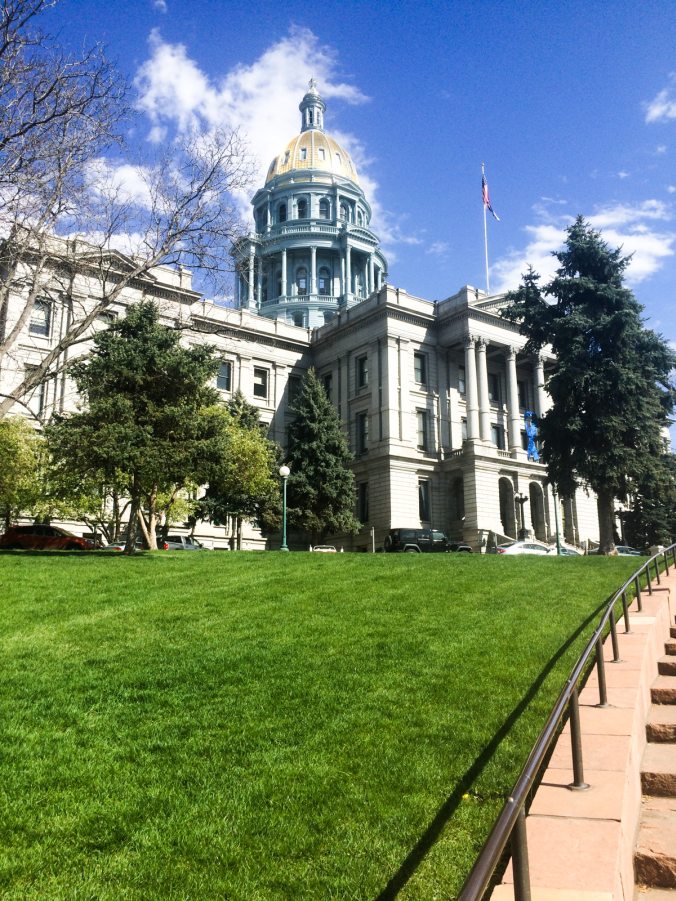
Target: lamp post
{"x":556,"y":521}
{"x":521,"y":500}
{"x":284,"y":472}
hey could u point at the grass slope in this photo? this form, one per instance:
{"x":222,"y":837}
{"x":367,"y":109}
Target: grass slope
{"x":267,"y":726}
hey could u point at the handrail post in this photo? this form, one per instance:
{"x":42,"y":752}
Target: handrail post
{"x":625,"y":608}
{"x":648,"y":578}
{"x":637,"y":586}
{"x":578,"y":783}
{"x":613,"y":636}
{"x":666,"y":562}
{"x":657,"y":571}
{"x":601,"y":670}
{"x":520,"y":868}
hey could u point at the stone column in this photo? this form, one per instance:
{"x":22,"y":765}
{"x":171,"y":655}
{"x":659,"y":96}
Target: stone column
{"x":259,"y":286}
{"x":268,"y":215}
{"x":372,"y":280}
{"x":514,"y":421}
{"x":250,"y":296}
{"x":484,"y":402}
{"x":284,"y":285}
{"x":540,"y":395}
{"x":313,"y":270}
{"x":471,"y":389}
{"x":348,"y":270}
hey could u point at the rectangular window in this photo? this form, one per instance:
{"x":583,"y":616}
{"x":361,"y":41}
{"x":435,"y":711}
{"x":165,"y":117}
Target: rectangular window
{"x":327,"y":381}
{"x":224,"y":377}
{"x":464,"y":430}
{"x":363,"y":501}
{"x":420,"y":369}
{"x":303,"y":153}
{"x":362,"y":365}
{"x":524,"y":440}
{"x":523,"y":395}
{"x":41,"y":318}
{"x":362,"y":423}
{"x":498,"y":436}
{"x":493,"y":388}
{"x":424,"y":500}
{"x":261,"y":379}
{"x":36,"y":399}
{"x":461,"y":380}
{"x":295,"y":385}
{"x":322,"y":154}
{"x":423,"y":430}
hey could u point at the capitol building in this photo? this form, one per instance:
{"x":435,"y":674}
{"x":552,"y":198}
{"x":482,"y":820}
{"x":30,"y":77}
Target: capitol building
{"x":431,"y":394}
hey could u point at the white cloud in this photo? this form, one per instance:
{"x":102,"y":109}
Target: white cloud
{"x":661,"y":149}
{"x":160,"y":5}
{"x":633,"y":228}
{"x":438,"y":248}
{"x":129,"y":184}
{"x":663,"y":106}
{"x":623,"y":174}
{"x":261,"y":100}
{"x":671,"y":189}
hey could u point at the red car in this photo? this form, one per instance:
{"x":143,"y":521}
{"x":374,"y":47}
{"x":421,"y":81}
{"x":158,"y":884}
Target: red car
{"x":41,"y":538}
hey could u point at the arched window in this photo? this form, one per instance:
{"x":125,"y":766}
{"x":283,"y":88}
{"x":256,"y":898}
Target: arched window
{"x":324,"y":281}
{"x":302,"y":209}
{"x":344,"y":211}
{"x":281,"y":212}
{"x":298,"y":319}
{"x":264,"y":290}
{"x":301,"y":280}
{"x":278,"y":284}
{"x":324,"y":208}
{"x":360,"y":217}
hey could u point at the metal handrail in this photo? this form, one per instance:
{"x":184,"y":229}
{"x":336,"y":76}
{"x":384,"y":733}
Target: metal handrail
{"x":512,"y":820}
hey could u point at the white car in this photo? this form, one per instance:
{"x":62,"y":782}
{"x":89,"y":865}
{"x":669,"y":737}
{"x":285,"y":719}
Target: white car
{"x":523,"y":547}
{"x":323,"y":549}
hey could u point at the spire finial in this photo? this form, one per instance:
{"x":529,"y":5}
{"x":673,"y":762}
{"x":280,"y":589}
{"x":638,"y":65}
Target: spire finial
{"x":312,"y":107}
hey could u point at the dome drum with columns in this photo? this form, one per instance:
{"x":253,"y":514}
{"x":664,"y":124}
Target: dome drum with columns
{"x":312,"y":252}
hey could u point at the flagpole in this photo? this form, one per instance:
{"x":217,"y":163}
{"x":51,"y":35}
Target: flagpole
{"x":488,"y":286}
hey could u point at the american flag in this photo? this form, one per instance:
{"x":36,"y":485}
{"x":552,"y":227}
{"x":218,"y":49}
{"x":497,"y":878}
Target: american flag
{"x":486,"y":196}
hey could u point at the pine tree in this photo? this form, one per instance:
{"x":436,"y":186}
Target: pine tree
{"x":149,"y":422}
{"x":609,"y":384}
{"x":321,"y":489}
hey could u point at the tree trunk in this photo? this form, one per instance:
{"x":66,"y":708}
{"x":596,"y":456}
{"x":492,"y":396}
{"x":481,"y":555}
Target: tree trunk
{"x":134,"y":509}
{"x":238,"y":520}
{"x":605,"y":503}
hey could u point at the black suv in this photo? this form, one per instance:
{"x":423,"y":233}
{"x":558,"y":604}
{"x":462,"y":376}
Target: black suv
{"x":421,"y":541}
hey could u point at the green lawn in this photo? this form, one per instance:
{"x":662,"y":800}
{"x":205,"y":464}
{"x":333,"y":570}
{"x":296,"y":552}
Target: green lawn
{"x":268,"y":726}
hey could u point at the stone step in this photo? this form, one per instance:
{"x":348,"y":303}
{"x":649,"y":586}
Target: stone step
{"x":663,"y":690}
{"x":644,"y":893}
{"x":672,"y":631}
{"x":666,"y":666}
{"x":658,"y":771}
{"x":670,"y":647}
{"x":661,"y":724}
{"x":655,"y":853}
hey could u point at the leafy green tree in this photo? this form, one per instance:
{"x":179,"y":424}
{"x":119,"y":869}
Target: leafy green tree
{"x":243,"y":484}
{"x":609,"y":384}
{"x":149,"y":423}
{"x":321,"y":490}
{"x":20,"y":453}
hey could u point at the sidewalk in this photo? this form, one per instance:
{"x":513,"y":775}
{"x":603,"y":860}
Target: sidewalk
{"x":581,"y":843}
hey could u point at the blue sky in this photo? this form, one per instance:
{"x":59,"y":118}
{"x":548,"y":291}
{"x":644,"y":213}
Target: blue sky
{"x":572,"y":106}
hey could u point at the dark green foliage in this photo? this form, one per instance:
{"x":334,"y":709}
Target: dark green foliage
{"x":321,"y":491}
{"x":149,"y":422}
{"x":609,"y":385}
{"x":652,"y":517}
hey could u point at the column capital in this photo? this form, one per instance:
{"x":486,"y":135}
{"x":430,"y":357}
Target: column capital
{"x":511,"y":352}
{"x":470,"y":341}
{"x":481,"y":344}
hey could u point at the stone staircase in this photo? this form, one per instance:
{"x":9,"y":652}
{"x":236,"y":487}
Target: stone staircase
{"x":655,"y":852}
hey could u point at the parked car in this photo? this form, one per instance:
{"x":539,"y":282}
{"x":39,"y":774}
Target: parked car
{"x":43,"y":538}
{"x":567,"y":551}
{"x":523,"y":547}
{"x":183,"y":543}
{"x":323,"y":549}
{"x":140,"y":545}
{"x":624,"y":550}
{"x":421,"y":541}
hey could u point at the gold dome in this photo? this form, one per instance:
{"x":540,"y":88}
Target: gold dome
{"x":313,"y":149}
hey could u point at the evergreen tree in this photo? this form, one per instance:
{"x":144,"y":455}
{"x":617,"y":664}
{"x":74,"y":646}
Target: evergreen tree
{"x":652,"y":517}
{"x":150,"y":423}
{"x":609,"y":384}
{"x":321,"y":490}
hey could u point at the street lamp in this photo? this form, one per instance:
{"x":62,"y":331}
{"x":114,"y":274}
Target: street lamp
{"x":284,"y":472}
{"x":521,"y":500}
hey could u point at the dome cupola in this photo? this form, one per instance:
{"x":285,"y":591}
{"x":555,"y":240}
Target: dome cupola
{"x":312,"y":109}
